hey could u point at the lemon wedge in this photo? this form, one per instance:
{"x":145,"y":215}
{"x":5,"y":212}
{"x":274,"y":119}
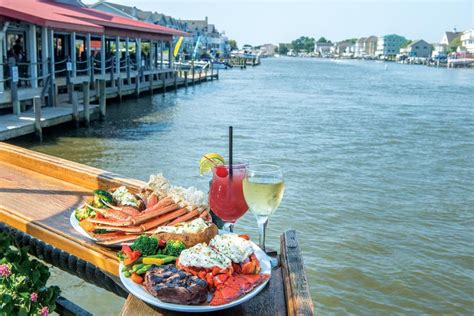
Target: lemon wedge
{"x":208,"y":161}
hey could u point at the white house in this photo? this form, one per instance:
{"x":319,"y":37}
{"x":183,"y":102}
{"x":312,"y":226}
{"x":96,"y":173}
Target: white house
{"x":322,"y":48}
{"x":442,"y":47}
{"x":467,"y":40}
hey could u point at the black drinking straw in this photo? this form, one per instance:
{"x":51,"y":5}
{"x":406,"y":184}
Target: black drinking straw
{"x":230,"y":149}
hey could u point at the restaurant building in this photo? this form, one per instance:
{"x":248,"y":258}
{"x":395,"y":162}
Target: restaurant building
{"x":46,"y":45}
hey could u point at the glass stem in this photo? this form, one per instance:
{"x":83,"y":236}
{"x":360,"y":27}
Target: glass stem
{"x":262,"y":226}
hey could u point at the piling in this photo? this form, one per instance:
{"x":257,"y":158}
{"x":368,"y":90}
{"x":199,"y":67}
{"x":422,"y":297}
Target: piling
{"x":186,"y":78}
{"x":163,"y":77}
{"x":175,"y":81}
{"x":102,"y":99}
{"x":14,"y":86}
{"x":86,"y":91}
{"x":137,"y":83}
{"x":37,"y":109}
{"x":75,"y":111}
{"x":150,"y":77}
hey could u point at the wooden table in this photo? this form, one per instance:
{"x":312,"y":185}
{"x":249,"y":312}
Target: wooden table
{"x":39,"y":192}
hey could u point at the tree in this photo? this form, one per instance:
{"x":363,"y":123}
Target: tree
{"x":455,"y":43}
{"x":232,"y":44}
{"x":303,"y":43}
{"x":405,"y":45}
{"x":283,"y":48}
{"x":322,"y":39}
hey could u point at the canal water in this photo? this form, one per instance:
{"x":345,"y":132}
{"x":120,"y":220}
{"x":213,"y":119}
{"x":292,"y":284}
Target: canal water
{"x":378,"y":162}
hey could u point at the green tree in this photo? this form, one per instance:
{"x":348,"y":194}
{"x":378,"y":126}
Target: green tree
{"x":283,"y":48}
{"x":455,"y":43}
{"x":233,"y":44}
{"x":408,"y":42}
{"x":303,"y":43}
{"x":322,"y":39}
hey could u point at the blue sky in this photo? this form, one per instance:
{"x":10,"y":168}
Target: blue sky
{"x":266,"y":21}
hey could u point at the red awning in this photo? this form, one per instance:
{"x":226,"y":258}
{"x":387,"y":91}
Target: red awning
{"x":78,"y":19}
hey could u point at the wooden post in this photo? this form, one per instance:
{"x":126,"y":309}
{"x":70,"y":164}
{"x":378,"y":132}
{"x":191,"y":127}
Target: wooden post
{"x":86,"y":99}
{"x":192,"y":69}
{"x":138,"y":52}
{"x":150,"y":81}
{"x":170,"y":55}
{"x":14,"y":86}
{"x":52,"y":69}
{"x":127,"y":58}
{"x":37,"y":109}
{"x":186,"y":78}
{"x":163,"y":77}
{"x":175,"y":81}
{"x":102,"y":55}
{"x":73,"y":55}
{"x":161,"y":54}
{"x":137,"y":82}
{"x":33,"y":55}
{"x":117,"y":60}
{"x":90,"y":64}
{"x":70,"y":85}
{"x":75,"y":111}
{"x":102,"y":98}
{"x":298,"y":299}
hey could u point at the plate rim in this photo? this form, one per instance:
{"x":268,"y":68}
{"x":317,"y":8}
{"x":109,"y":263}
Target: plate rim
{"x":75,"y":224}
{"x":147,"y":297}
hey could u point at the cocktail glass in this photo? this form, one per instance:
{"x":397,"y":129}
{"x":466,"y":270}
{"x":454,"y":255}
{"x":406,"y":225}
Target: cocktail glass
{"x":226,"y":197}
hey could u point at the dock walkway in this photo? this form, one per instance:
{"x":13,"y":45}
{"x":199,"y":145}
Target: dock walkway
{"x":27,"y":122}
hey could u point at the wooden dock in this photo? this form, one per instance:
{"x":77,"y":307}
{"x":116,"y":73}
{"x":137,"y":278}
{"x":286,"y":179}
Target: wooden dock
{"x":28,"y":122}
{"x":39,"y":192}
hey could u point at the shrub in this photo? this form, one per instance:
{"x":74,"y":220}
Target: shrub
{"x":23,"y":288}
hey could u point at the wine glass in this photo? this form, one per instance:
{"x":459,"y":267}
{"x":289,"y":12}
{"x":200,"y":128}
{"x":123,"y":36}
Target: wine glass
{"x":263,"y":190}
{"x":226,"y":197}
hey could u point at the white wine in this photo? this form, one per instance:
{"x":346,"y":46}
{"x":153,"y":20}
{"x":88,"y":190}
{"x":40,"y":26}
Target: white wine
{"x":263,"y":198}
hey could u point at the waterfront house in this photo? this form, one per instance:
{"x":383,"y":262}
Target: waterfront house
{"x":360,"y":49}
{"x":371,"y":45}
{"x":388,"y":46}
{"x":418,"y":48}
{"x":441,"y":49}
{"x":267,"y":49}
{"x":345,"y":47}
{"x":323,"y":48}
{"x":467,"y":40}
{"x":51,"y":45}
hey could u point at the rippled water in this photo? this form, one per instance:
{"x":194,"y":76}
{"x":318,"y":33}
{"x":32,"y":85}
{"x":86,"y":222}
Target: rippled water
{"x":379,"y":167}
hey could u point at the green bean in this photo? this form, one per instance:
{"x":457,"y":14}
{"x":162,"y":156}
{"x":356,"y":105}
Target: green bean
{"x":144,"y":269}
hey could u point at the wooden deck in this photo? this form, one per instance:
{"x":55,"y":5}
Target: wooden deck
{"x":12,"y":125}
{"x":38,"y":194}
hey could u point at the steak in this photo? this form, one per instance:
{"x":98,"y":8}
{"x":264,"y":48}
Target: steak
{"x":172,"y":285}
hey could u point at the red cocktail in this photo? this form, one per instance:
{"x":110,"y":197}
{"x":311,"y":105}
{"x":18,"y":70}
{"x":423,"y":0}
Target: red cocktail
{"x":226,"y":197}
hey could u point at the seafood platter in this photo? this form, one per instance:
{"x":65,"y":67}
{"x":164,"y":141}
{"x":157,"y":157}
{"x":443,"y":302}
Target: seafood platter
{"x":171,"y":254}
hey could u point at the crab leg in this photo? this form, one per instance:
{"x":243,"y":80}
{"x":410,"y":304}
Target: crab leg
{"x":150,"y":224}
{"x":186,"y":217}
{"x":108,"y":236}
{"x":162,"y":203}
{"x":118,"y":240}
{"x":204,"y":214}
{"x":149,"y":215}
{"x":112,"y":222}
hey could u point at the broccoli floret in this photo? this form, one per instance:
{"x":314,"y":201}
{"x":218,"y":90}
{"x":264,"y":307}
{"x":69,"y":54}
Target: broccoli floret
{"x":83,"y":213}
{"x":101,"y":195}
{"x":146,"y":245}
{"x":174,"y":248}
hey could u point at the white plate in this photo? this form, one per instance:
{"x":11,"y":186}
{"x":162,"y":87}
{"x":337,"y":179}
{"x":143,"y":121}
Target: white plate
{"x":140,"y":292}
{"x":78,"y":228}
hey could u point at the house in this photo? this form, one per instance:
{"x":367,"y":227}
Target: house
{"x":389,"y":45}
{"x":446,"y":41}
{"x":418,"y":48}
{"x":467,"y":40}
{"x":204,"y":35}
{"x":344,"y":47}
{"x":323,"y":48}
{"x":371,"y":45}
{"x":359,"y":49}
{"x":267,"y":49}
